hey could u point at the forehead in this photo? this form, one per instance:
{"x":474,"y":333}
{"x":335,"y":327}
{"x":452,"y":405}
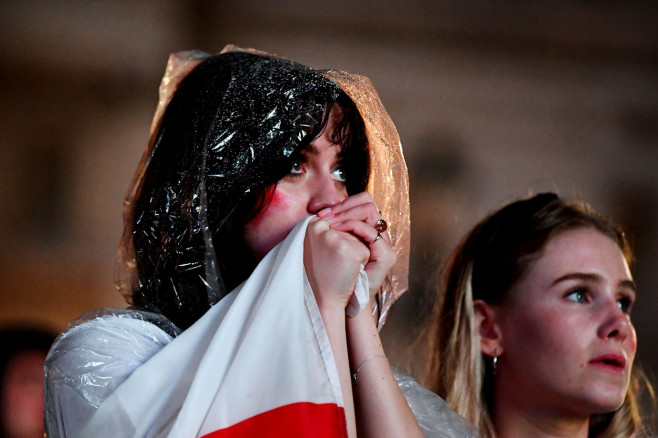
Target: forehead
{"x":326,"y":137}
{"x":320,"y":147}
{"x":581,"y":250}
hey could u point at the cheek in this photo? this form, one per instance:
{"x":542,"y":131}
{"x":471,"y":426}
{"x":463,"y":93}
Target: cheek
{"x":279,"y":201}
{"x":538,"y":335}
{"x":632,"y":341}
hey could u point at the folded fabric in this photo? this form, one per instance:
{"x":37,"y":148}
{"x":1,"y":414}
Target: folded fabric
{"x":258,"y":363}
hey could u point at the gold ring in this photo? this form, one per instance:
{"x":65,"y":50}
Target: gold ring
{"x":376,"y":238}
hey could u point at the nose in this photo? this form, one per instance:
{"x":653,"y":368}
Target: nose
{"x":325,"y":192}
{"x":616,"y":324}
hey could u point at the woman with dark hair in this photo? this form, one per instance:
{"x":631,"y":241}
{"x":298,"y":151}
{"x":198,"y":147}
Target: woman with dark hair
{"x":256,"y":261}
{"x":533,"y":335}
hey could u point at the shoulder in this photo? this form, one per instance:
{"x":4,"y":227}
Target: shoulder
{"x":433,"y":414}
{"x":100,"y":350}
{"x":91,"y":359}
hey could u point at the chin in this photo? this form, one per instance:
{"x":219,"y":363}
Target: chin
{"x":595,"y":398}
{"x":605,"y":403}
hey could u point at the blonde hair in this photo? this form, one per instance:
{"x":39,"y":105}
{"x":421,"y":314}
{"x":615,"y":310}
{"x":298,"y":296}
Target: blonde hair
{"x":456,"y":370}
{"x":490,"y":259}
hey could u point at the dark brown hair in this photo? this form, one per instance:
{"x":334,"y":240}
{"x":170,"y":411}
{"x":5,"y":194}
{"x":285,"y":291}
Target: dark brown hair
{"x":230,"y":132}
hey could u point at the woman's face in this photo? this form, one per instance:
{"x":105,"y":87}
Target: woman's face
{"x":316,"y":181}
{"x":567,"y":336}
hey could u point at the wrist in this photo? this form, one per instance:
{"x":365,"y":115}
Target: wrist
{"x":363,"y":338}
{"x":331,"y":310}
{"x":355,"y":373}
{"x":364,"y":318}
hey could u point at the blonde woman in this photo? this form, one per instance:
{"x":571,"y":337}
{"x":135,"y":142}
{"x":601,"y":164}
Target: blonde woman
{"x":533,"y":334}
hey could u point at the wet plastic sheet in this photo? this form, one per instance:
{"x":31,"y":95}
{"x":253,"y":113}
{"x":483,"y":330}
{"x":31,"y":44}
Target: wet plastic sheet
{"x":178,"y":221}
{"x":434,"y":416}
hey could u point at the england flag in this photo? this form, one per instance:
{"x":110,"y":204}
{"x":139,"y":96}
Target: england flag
{"x":257,"y":364}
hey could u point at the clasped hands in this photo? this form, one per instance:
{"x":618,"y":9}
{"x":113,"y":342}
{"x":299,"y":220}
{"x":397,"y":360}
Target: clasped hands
{"x":338,"y":242}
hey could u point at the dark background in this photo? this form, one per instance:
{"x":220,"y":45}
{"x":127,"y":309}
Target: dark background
{"x":493,"y":101}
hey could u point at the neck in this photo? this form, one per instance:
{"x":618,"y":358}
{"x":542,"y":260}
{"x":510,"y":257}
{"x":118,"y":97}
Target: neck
{"x":516,"y":424}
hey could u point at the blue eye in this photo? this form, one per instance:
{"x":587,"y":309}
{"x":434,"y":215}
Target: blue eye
{"x":339,"y":174}
{"x":578,"y":296}
{"x":625,"y":305}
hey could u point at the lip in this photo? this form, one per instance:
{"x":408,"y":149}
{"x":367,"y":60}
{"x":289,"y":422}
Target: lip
{"x":610,"y":361}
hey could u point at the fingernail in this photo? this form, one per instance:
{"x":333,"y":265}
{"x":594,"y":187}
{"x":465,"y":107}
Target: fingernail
{"x":325,"y":212}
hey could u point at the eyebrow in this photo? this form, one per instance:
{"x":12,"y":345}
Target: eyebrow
{"x":310,"y":149}
{"x":594,"y":278}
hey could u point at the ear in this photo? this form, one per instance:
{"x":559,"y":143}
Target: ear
{"x":491,"y":337}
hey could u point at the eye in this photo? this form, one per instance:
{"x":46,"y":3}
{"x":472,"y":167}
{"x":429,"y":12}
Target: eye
{"x":578,"y":296}
{"x":296,"y":168}
{"x":625,"y":304}
{"x":338,"y":174}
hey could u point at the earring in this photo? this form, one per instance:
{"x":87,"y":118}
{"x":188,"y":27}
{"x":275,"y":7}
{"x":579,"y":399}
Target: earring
{"x":495,"y":362}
